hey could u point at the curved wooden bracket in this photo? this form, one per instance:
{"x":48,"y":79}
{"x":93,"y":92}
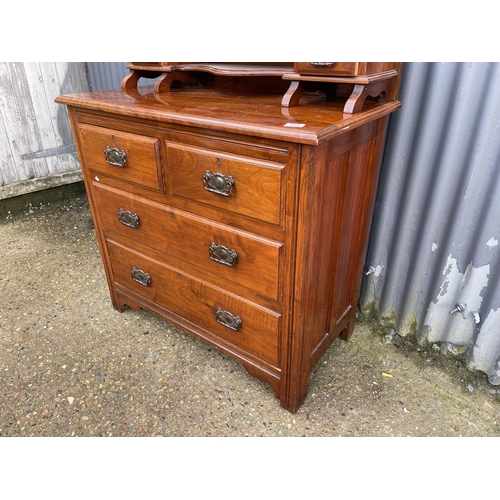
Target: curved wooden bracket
{"x":293,"y":94}
{"x":355,"y":103}
{"x":131,"y":80}
{"x":164,"y":84}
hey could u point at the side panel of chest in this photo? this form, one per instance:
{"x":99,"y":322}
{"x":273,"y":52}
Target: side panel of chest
{"x":335,"y":199}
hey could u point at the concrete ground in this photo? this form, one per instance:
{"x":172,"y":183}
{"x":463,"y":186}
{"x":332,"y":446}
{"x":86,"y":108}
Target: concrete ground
{"x":70,"y":365}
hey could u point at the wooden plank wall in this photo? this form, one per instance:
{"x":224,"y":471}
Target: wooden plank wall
{"x":32,"y":124}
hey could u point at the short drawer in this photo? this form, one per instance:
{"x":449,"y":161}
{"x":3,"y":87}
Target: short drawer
{"x":326,"y":68}
{"x":222,"y":254}
{"x":238,"y":184}
{"x":129,"y":157}
{"x":241,"y":323}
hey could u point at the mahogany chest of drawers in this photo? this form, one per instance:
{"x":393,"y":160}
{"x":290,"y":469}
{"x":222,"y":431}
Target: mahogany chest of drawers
{"x":240,"y":220}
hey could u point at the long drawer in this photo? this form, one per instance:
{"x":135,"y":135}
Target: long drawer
{"x":239,"y":184}
{"x":243,"y":324}
{"x":220,"y":253}
{"x":129,"y":157}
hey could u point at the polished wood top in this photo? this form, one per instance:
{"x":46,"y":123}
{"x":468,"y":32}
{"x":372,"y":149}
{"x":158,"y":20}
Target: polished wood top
{"x":245,"y":112}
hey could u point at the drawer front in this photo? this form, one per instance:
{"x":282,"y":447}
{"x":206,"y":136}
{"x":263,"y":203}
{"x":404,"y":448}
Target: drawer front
{"x":222,"y":255}
{"x":245,"y":186}
{"x":239,"y":322}
{"x":129,"y":157}
{"x":327,"y":68}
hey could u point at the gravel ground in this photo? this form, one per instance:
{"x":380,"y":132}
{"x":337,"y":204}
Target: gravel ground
{"x":70,"y":365}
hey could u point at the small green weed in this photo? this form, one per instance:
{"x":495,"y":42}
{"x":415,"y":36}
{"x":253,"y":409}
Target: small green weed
{"x":31,"y":208}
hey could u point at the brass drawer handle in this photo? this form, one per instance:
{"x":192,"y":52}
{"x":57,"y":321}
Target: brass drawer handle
{"x":141,"y":277}
{"x":128,"y":218}
{"x":116,"y":157}
{"x":221,"y":254}
{"x":321,"y":64}
{"x":218,"y":183}
{"x":227,"y":319}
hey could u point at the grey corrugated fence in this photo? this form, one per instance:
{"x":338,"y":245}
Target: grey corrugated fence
{"x":106,"y":75}
{"x":433,"y":257}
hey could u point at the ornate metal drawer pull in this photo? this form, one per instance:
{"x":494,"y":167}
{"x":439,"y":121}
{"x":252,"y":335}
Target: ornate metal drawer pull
{"x":321,"y":64}
{"x":141,"y":277}
{"x":218,"y":183}
{"x":128,"y":218}
{"x":227,"y":319}
{"x":116,"y":157}
{"x":222,"y":254}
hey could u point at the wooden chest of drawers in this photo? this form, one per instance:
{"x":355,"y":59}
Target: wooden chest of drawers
{"x":241,"y":221}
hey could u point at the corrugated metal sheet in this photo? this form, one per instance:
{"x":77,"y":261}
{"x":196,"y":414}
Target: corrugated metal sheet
{"x":34,"y":130}
{"x":106,"y":75}
{"x":434,"y":246}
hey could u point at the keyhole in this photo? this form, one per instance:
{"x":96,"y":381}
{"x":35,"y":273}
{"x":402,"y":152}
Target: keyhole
{"x":217,"y":160}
